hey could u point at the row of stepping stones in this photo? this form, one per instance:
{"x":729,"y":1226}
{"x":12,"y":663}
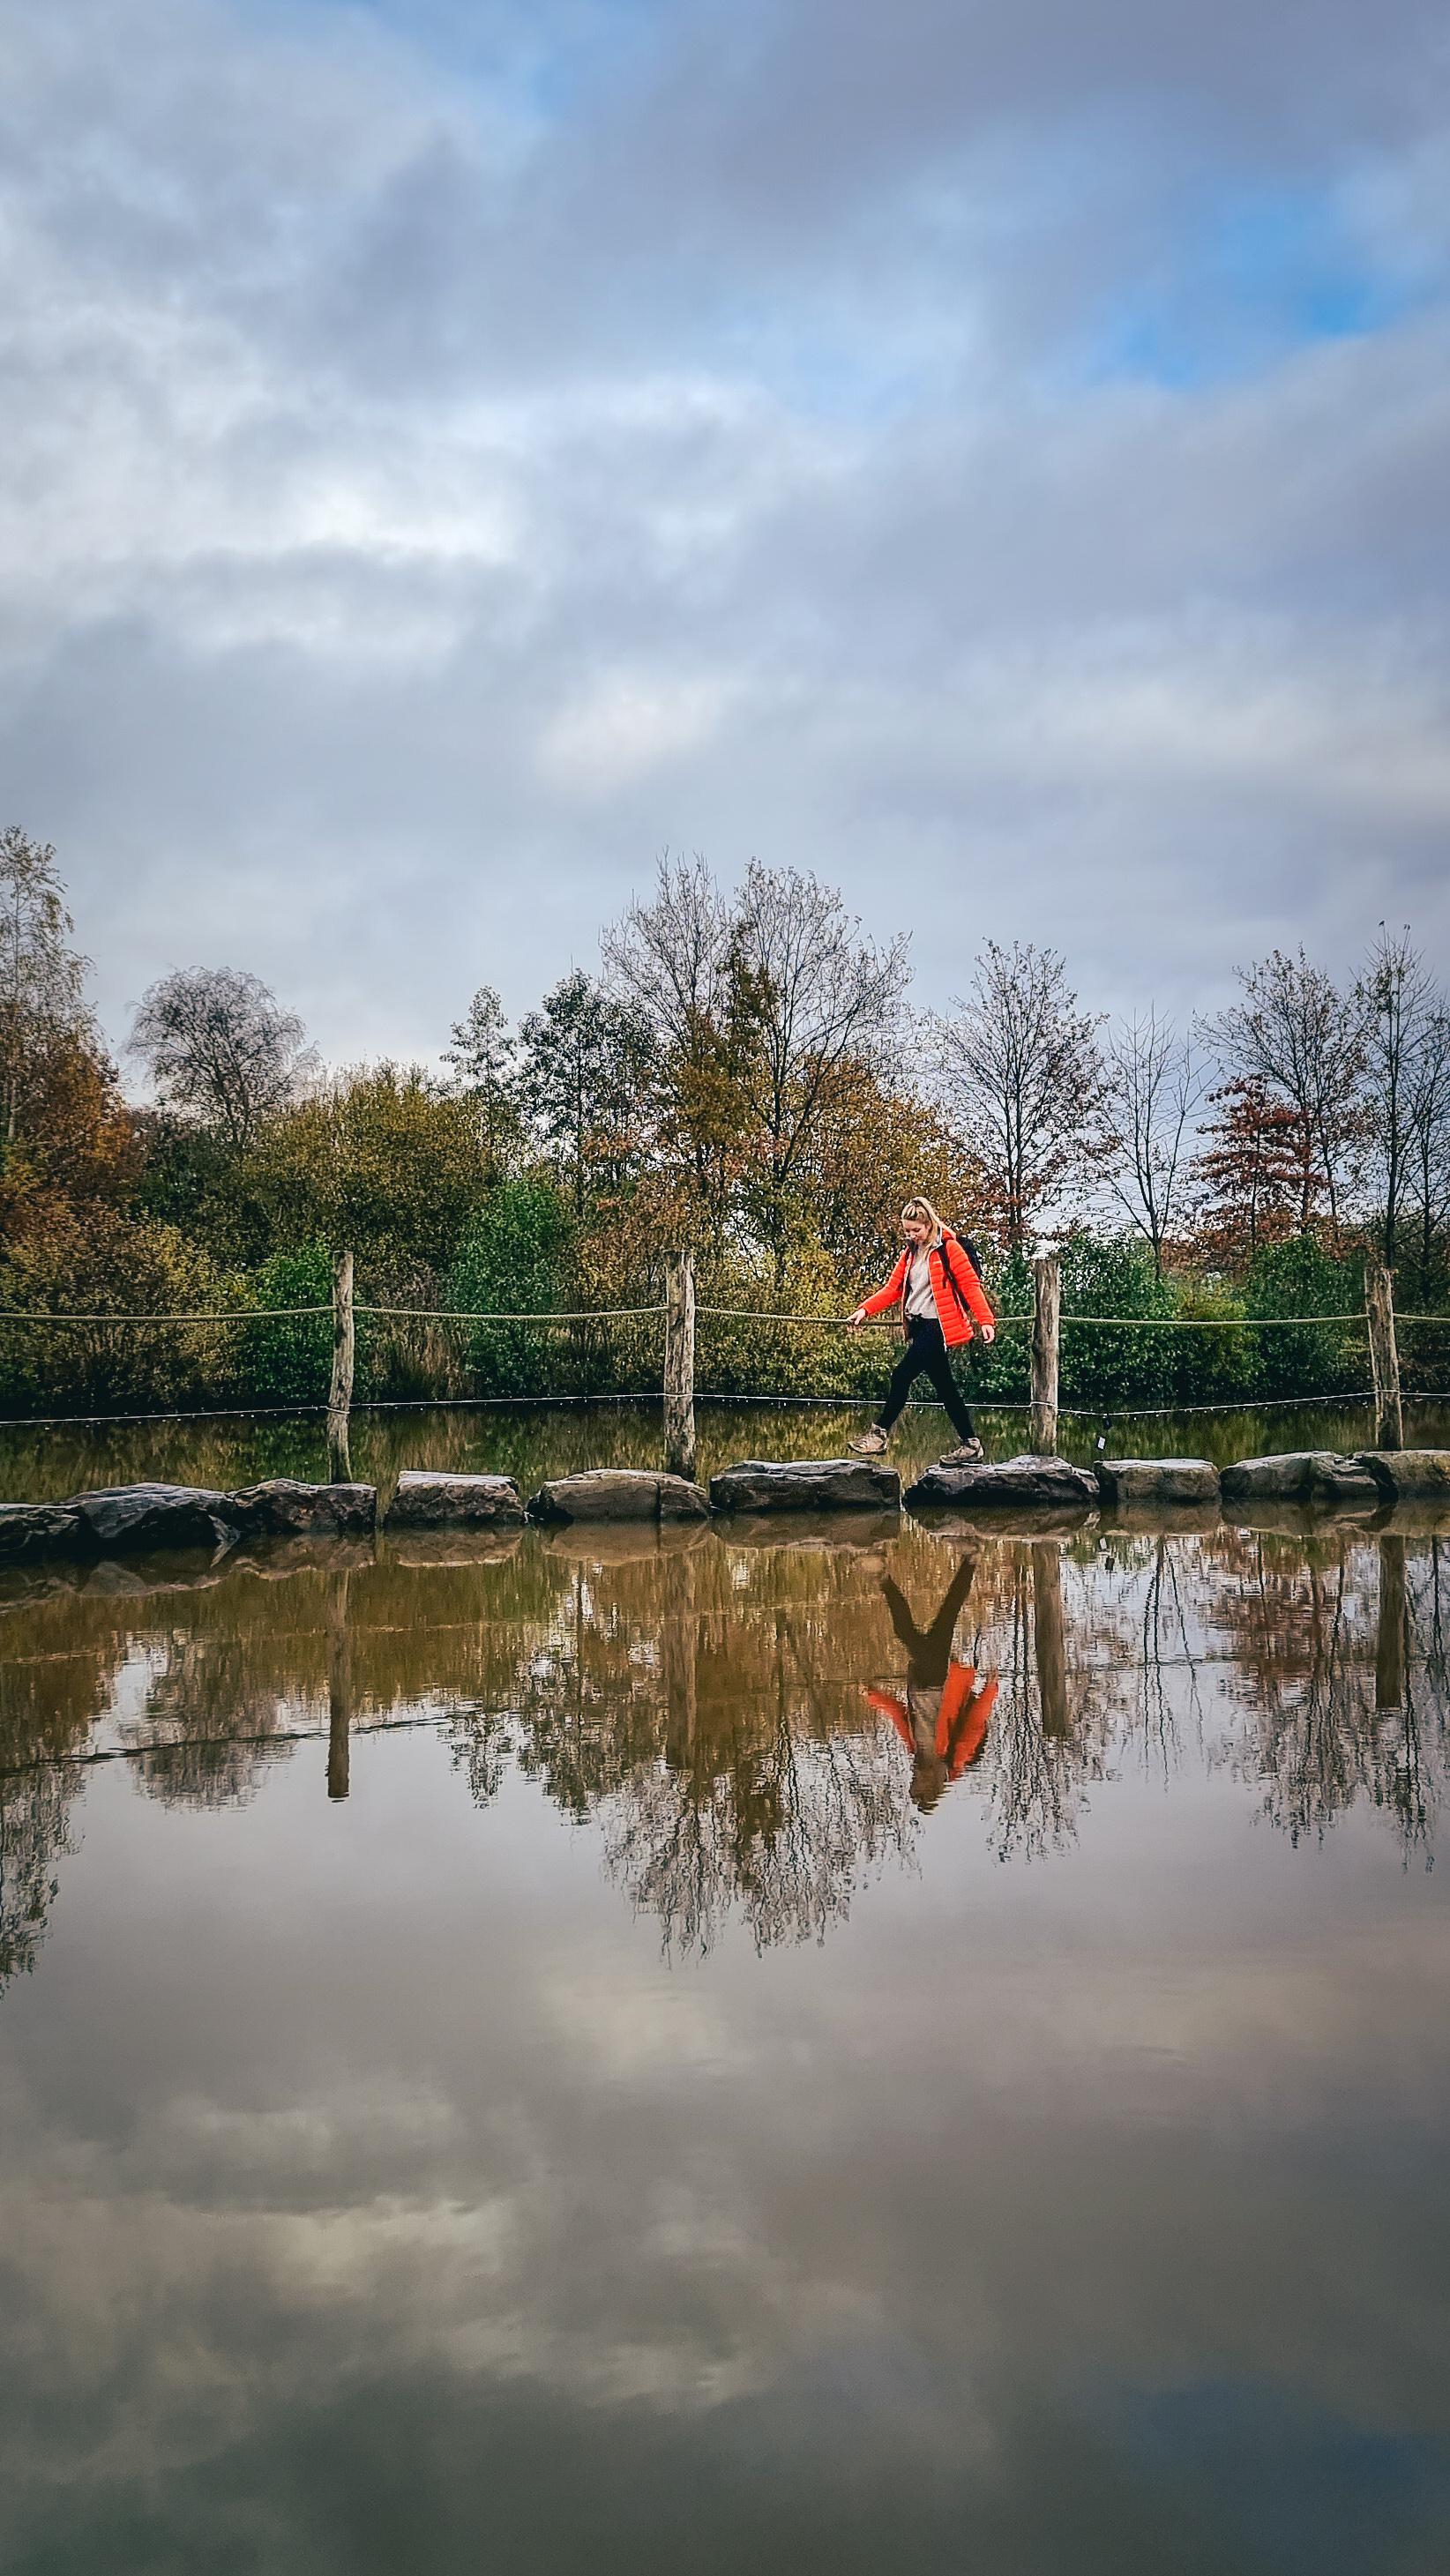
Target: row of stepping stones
{"x":119,"y":1519}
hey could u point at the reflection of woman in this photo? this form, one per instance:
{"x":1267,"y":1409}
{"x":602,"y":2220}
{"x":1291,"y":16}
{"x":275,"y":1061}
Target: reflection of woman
{"x":943,"y":1719}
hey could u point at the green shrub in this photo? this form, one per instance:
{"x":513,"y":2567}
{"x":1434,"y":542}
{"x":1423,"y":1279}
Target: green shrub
{"x":1300,"y":1278}
{"x":515,"y":1258}
{"x":288,"y":1359}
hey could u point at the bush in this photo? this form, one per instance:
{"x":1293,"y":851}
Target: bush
{"x":288,"y":1359}
{"x":1300,"y":1278}
{"x":515,"y":1258}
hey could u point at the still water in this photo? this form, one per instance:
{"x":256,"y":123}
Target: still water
{"x":776,"y":2049}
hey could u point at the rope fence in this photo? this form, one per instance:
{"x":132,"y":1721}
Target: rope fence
{"x":497,"y":1342}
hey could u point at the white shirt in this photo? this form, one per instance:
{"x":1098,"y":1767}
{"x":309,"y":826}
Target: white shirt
{"x":919,"y":1298}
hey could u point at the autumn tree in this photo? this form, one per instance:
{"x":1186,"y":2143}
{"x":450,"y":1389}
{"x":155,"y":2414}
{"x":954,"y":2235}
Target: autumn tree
{"x":1300,"y":1038}
{"x":219,"y":1047}
{"x":1248,"y":1178}
{"x":1019,"y":1066}
{"x":380,"y":1158}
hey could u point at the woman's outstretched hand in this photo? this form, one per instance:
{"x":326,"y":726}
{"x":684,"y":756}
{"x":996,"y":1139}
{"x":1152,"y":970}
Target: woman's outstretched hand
{"x":858,"y":1318}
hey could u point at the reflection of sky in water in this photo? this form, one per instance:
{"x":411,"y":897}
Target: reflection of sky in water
{"x":752,"y":2166}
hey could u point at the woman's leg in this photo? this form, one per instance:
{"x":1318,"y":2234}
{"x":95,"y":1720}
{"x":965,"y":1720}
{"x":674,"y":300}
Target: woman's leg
{"x":937,"y":1360}
{"x":908,"y":1368}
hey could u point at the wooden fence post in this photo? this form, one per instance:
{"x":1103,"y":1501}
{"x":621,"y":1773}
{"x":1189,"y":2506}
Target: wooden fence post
{"x":1389,"y":1659}
{"x":680,"y":1365}
{"x":1384,"y":1357}
{"x":339,"y":1687}
{"x":1048,"y":1637}
{"x":1046,"y":1319}
{"x":339,"y":1402}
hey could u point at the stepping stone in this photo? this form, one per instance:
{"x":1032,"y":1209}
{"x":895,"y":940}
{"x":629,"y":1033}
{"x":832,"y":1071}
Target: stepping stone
{"x":1309,"y":1476}
{"x":284,"y":1507}
{"x":618,"y":1494}
{"x":1050,"y":1482}
{"x":1408,"y":1475}
{"x":1136,"y":1482}
{"x":427,"y":1501}
{"x":30,"y":1531}
{"x":806,"y":1485}
{"x":121,"y":1517}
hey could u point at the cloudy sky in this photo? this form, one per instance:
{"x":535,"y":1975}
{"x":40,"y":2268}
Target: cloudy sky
{"x":994,"y":456}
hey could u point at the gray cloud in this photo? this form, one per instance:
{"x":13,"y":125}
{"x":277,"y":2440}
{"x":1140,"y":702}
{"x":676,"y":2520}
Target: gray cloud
{"x":435,"y":484}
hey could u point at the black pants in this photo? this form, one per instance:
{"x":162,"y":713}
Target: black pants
{"x":925,"y":1349}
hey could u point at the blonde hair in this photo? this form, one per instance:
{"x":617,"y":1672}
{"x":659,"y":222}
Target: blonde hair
{"x":921,"y":1212}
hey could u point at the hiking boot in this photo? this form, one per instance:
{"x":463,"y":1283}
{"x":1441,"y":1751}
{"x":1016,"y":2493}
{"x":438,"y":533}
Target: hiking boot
{"x":869,"y":1444}
{"x":969,"y":1453}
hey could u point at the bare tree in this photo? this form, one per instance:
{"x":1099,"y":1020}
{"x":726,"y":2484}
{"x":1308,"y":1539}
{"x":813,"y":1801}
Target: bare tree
{"x":1394,"y":999}
{"x":1020,"y":1063}
{"x":1154,"y":1085}
{"x":219,"y":1048}
{"x":1295,"y":1032}
{"x":41,"y":976}
{"x":1429,"y":1125}
{"x":483,"y":1057}
{"x":823,"y":995}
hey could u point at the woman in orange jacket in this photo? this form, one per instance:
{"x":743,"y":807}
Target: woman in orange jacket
{"x":941,"y":1297}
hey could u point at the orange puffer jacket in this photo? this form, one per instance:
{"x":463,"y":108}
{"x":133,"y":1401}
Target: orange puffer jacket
{"x":961,"y":1728}
{"x":954,"y":1285}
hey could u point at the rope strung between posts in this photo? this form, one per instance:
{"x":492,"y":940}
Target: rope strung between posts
{"x":217,"y":1315}
{"x":474,"y":1315}
{"x":1114,"y":1323}
{"x":727,"y":1314}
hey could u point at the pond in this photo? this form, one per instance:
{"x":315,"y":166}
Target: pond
{"x":771,"y":2047}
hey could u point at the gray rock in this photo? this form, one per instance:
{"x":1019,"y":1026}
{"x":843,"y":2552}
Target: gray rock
{"x":424,"y":1500}
{"x":1306,"y":1476}
{"x":1140,"y":1481}
{"x":1408,"y":1475}
{"x":806,"y":1485}
{"x":1050,"y":1482}
{"x":618,"y":1494}
{"x":123,"y":1517}
{"x":284,"y":1507}
{"x":31,"y":1531}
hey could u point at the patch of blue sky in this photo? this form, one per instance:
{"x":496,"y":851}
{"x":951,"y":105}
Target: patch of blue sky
{"x":1262,"y":273}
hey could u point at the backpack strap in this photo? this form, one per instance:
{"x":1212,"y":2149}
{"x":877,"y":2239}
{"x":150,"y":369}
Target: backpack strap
{"x":964,"y":1244}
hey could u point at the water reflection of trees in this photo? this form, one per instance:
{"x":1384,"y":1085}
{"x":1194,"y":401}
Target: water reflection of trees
{"x":704,"y":1700}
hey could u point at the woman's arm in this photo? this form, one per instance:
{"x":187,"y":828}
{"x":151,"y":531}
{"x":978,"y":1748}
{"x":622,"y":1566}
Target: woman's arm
{"x":884,"y":1297}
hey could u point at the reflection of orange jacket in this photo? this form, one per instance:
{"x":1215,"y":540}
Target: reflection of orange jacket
{"x":961,"y":1726}
{"x":954,"y":1285}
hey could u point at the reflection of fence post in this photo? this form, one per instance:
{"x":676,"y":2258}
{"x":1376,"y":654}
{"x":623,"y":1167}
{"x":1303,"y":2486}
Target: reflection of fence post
{"x":339,"y":1687}
{"x":1046,"y":1314}
{"x":1384,"y":1357}
{"x":1389,"y":1659}
{"x":1048,"y":1636}
{"x":680,"y":1364}
{"x":339,"y":1402}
